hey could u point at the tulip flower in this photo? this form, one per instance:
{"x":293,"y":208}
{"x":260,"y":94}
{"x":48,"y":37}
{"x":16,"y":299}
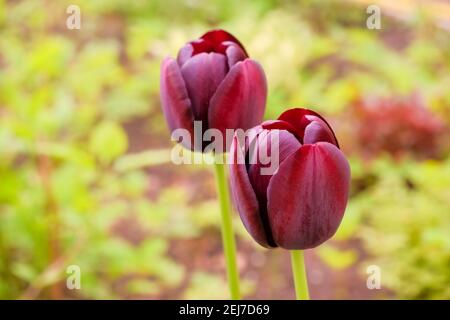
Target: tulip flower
{"x":213,"y":82}
{"x":212,"y":89}
{"x":301,"y":204}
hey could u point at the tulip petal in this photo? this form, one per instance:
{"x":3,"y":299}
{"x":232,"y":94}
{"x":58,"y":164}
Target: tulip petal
{"x":175,"y":101}
{"x":282,"y":125}
{"x":218,"y":36}
{"x":271,"y":148}
{"x":308,"y":195}
{"x":240,"y":99}
{"x":234,"y":54}
{"x":287,"y":144}
{"x":300,"y":118}
{"x":202,"y":74}
{"x":317,"y":131}
{"x":184,"y":54}
{"x":244,"y":197}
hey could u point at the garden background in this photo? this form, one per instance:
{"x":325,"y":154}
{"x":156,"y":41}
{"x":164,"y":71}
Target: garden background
{"x":85,"y":171}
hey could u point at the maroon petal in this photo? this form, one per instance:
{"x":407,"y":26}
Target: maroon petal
{"x":217,"y":37}
{"x":175,"y":100}
{"x":268,"y":144}
{"x":317,"y":131}
{"x":287,"y":144}
{"x":244,"y":197}
{"x":202,"y":74}
{"x":308,"y":195}
{"x":240,"y":99}
{"x":282,"y":125}
{"x":234,"y":54}
{"x":298,"y":118}
{"x":184,"y":54}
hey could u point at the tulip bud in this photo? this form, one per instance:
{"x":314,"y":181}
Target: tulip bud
{"x":213,"y":82}
{"x":300,"y":204}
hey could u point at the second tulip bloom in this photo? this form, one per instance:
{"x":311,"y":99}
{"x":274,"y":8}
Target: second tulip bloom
{"x":302,"y":203}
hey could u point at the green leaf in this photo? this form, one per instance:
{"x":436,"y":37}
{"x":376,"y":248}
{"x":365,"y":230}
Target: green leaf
{"x":108,"y":141}
{"x":338,"y":259}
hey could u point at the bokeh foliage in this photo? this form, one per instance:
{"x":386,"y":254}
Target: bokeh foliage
{"x":77,"y":105}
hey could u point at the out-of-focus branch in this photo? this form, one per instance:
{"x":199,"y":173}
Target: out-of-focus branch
{"x":45,"y":168}
{"x":142,"y":159}
{"x":53,"y":273}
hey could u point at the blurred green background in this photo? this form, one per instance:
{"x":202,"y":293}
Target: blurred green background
{"x":85,"y":176}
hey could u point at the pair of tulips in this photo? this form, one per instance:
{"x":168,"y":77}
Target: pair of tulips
{"x":301,"y":203}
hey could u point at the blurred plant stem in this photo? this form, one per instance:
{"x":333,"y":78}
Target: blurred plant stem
{"x":299,"y":272}
{"x":45,"y":168}
{"x":229,"y":245}
{"x":53,"y":273}
{"x":142,"y":159}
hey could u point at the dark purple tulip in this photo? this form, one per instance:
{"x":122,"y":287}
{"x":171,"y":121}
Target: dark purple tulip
{"x":302,"y":204}
{"x":213,"y":81}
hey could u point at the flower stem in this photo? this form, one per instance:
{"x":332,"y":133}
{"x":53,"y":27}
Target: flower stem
{"x":299,"y":272}
{"x":229,"y":245}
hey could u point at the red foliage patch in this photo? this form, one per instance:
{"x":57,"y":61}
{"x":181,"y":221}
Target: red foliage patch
{"x":397,"y":126}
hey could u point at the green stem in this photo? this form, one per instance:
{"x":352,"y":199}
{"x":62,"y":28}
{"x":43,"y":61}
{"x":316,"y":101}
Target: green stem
{"x":229,"y":245}
{"x":299,"y":272}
